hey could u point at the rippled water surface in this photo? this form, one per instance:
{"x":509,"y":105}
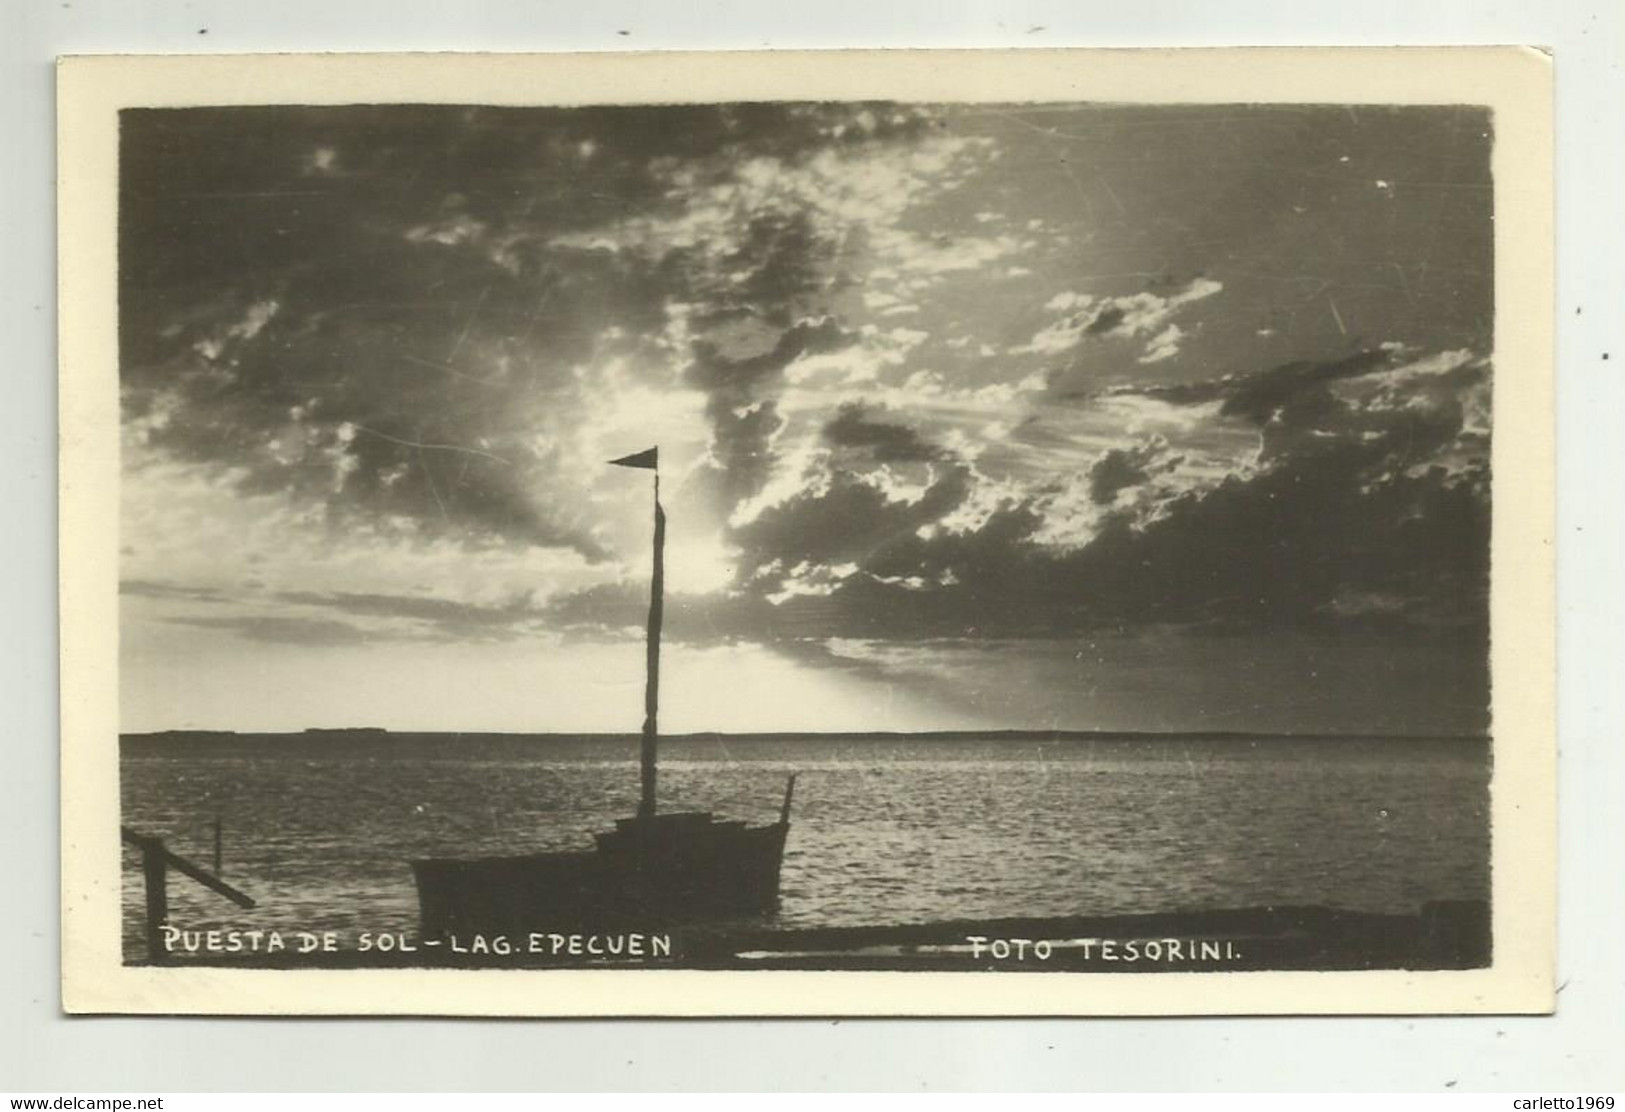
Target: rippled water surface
{"x":320,"y":829}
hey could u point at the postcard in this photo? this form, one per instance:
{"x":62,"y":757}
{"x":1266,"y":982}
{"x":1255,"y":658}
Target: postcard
{"x":915,"y":533}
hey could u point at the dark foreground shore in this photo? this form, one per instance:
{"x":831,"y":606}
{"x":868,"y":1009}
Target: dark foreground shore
{"x":1444,"y":935}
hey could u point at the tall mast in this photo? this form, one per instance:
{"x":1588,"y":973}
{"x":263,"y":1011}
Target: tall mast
{"x":651,"y":690}
{"x":649,"y":460}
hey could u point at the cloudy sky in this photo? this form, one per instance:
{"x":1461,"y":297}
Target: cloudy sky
{"x":1115,"y":417}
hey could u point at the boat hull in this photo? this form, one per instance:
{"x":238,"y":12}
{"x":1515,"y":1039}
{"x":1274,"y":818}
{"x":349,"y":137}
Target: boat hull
{"x":658,"y":871}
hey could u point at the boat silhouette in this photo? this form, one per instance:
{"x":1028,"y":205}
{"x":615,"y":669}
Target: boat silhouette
{"x":654,"y":868}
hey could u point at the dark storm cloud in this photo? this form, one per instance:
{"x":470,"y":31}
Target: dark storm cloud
{"x":1106,"y":320}
{"x":1363,"y":513}
{"x":850,"y":521}
{"x":742,"y":449}
{"x":883,"y":441}
{"x":149,"y":588}
{"x":1259,"y":397}
{"x":1281,"y":549}
{"x":744,"y":418}
{"x":314,"y":632}
{"x":1301,"y":411}
{"x":1255,"y":397}
{"x":736,"y":381}
{"x":445,"y":617}
{"x":1120,"y":468}
{"x":384,"y":617}
{"x":1354,"y":498}
{"x":783,"y":260}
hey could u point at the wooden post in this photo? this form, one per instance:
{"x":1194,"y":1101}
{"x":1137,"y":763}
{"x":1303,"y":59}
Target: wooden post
{"x":789,"y":794}
{"x":217,"y":870}
{"x":155,"y":871}
{"x":156,"y":861}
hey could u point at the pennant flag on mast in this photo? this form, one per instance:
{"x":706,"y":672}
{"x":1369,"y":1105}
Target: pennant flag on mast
{"x":649,"y":460}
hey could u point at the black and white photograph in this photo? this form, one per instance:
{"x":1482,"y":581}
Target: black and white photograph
{"x":803,"y":534}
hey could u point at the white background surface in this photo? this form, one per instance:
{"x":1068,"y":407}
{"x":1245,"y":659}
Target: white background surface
{"x":1575,"y":1051}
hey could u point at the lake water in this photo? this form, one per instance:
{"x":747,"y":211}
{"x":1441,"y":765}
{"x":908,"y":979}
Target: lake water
{"x":319,"y":829}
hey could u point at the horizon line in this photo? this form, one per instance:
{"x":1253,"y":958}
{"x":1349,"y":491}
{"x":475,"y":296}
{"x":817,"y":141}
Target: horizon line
{"x":785,"y":735}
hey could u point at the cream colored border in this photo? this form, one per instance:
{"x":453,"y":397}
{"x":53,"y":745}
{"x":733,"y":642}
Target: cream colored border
{"x":1515,"y":82}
